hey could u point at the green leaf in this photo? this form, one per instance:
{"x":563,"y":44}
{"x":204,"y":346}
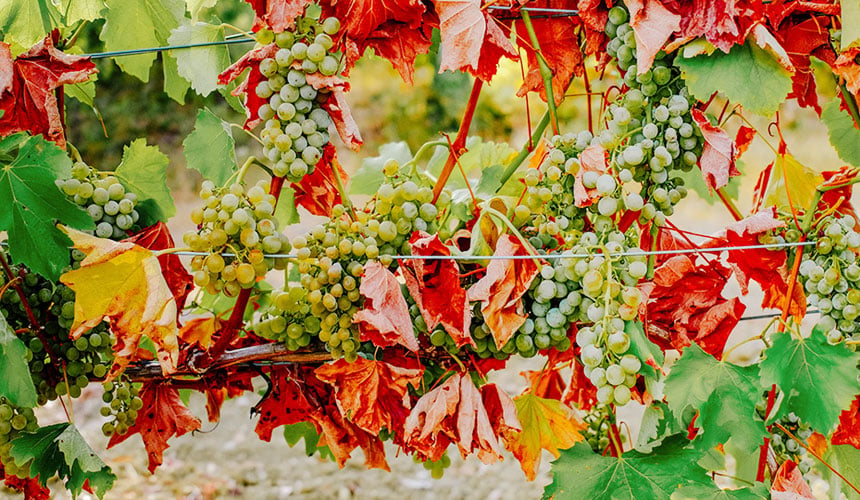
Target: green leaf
{"x":844,"y":137}
{"x":32,"y":202}
{"x":201,"y":65}
{"x":195,"y":6}
{"x":850,"y":23}
{"x":818,"y":380}
{"x":15,"y":381}
{"x":699,"y":492}
{"x":657,"y":424}
{"x":209,"y":148}
{"x":642,"y":347}
{"x":846,"y":459}
{"x":479,"y":157}
{"x":369,"y":176}
{"x":136,"y":24}
{"x":175,"y":86}
{"x":580,"y":473}
{"x":285,"y":211}
{"x":724,"y":394}
{"x":143,"y":171}
{"x":293,"y":433}
{"x":27,"y":21}
{"x":60,"y":449}
{"x":747,"y":75}
{"x":81,"y":10}
{"x":83,"y":92}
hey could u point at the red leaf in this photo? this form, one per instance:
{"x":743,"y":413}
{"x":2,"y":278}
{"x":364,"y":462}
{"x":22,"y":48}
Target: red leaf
{"x":713,"y":19}
{"x":384,"y":319}
{"x":471,"y":39}
{"x":839,"y":195}
{"x":743,"y":139}
{"x":372,"y":393}
{"x":341,"y":115}
{"x":559,"y":44}
{"x":592,"y":159}
{"x":278,"y":14}
{"x":581,"y":392}
{"x":788,"y":484}
{"x":163,"y":416}
{"x":545,"y":383}
{"x":317,"y":191}
{"x":810,"y":37}
{"x":342,"y":437}
{"x":435,"y":287}
{"x":846,"y":67}
{"x":285,"y":404}
{"x":502,"y":288}
{"x":157,"y":237}
{"x":27,"y":88}
{"x":718,"y":156}
{"x":848,"y":431}
{"x":652,"y":25}
{"x":594,"y":14}
{"x":501,"y":410}
{"x":400,"y":44}
{"x":360,"y":19}
{"x":29,"y":486}
{"x":247,"y":88}
{"x":760,"y":264}
{"x":235,"y":385}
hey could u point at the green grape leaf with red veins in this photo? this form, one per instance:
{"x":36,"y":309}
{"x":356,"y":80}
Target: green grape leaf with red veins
{"x":384,"y":319}
{"x":163,"y":416}
{"x":278,"y":15}
{"x":502,"y":288}
{"x":143,"y":171}
{"x":371,"y":392}
{"x":724,"y":394}
{"x":581,"y":473}
{"x":27,"y":86}
{"x":317,"y":192}
{"x":652,"y":25}
{"x":157,"y":237}
{"x":32,"y":203}
{"x":435,"y":287}
{"x":472,"y":40}
{"x":818,"y":380}
{"x":16,"y":385}
{"x":210,"y":148}
{"x":843,"y":134}
{"x":731,"y":74}
{"x":559,"y":44}
{"x":848,"y":431}
{"x":134,"y":24}
{"x":718,"y":155}
{"x":60,"y":449}
{"x":202,"y":65}
{"x":252,"y":101}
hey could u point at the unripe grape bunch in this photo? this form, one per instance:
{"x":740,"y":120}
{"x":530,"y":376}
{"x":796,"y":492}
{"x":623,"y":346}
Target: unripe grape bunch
{"x":14,"y":421}
{"x":122,"y":405}
{"x":287,"y":319}
{"x":109,"y":205}
{"x":236,"y":226}
{"x":296,"y":124}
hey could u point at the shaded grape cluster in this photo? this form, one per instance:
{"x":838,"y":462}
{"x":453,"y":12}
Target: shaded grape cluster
{"x":122,"y":405}
{"x":105,"y":199}
{"x":14,"y":420}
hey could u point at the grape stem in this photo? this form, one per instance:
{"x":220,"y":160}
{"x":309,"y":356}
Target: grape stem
{"x":344,"y":196}
{"x":524,"y":152}
{"x":851,"y":102}
{"x":816,"y":455}
{"x":486,"y":209}
{"x":729,"y":204}
{"x":545,"y":71}
{"x":166,"y":251}
{"x":459,"y":143}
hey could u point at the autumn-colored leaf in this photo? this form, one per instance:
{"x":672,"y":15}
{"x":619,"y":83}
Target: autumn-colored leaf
{"x":29,"y":486}
{"x":802,"y":40}
{"x":848,"y":431}
{"x":163,"y":416}
{"x":360,"y":19}
{"x":547,"y":425}
{"x":317,"y":192}
{"x":284,"y":404}
{"x":718,"y":156}
{"x":123,"y":281}
{"x":278,"y":14}
{"x":652,"y":25}
{"x":501,"y":289}
{"x":435,"y":287}
{"x":472,"y":40}
{"x":743,"y":139}
{"x":841,"y":195}
{"x":715,"y":20}
{"x":342,"y":437}
{"x":27,"y":85}
{"x":593,"y":159}
{"x":546,"y":383}
{"x":384,"y":319}
{"x":788,"y":484}
{"x":247,"y":88}
{"x":341,"y":116}
{"x":200,"y":330}
{"x":581,"y":392}
{"x":371,"y":392}
{"x":846,"y":67}
{"x":236,"y":385}
{"x":501,"y":409}
{"x":157,"y":237}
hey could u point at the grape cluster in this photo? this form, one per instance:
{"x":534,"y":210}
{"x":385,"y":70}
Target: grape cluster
{"x":240,"y":222}
{"x":287,"y":319}
{"x":14,"y":420}
{"x":111,"y":207}
{"x":122,"y":406}
{"x":296,"y":125}
{"x":599,"y":421}
{"x":830,"y":275}
{"x":782,"y":444}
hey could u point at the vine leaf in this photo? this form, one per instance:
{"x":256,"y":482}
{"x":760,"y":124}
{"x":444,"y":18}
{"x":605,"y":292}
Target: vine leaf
{"x":362,"y":19}
{"x":202,"y":65}
{"x":305,"y":430}
{"x":502,"y":288}
{"x":60,"y":449}
{"x":317,"y":192}
{"x":210,"y":148}
{"x":581,"y":473}
{"x":802,"y":41}
{"x":341,"y":115}
{"x":724,"y":394}
{"x":277,"y":14}
{"x":652,"y":25}
{"x":718,"y":155}
{"x":547,"y":424}
{"x":788,"y":482}
{"x":847,"y":68}
{"x":384,"y":319}
{"x":788,"y":184}
{"x":31,"y":202}
{"x":400,"y":43}
{"x":252,"y":102}
{"x":163,"y":416}
{"x":143,"y":171}
{"x":471,"y":39}
{"x":371,"y":392}
{"x":844,"y":136}
{"x":157,"y":237}
{"x":435,"y":287}
{"x":123,"y":281}
{"x":731,"y":73}
{"x":200,"y":330}
{"x":132,"y":24}
{"x":29,"y":486}
{"x":801,"y":369}
{"x":848,"y":431}
{"x":593,"y":159}
{"x":16,"y":385}
{"x":285,"y":404}
{"x":369,"y":176}
{"x":27,"y":21}
{"x":647,"y":352}
{"x":845,"y":459}
{"x":27,"y":86}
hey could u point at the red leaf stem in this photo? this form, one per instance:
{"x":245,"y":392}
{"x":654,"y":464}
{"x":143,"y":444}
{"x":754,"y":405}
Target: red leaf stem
{"x":459,"y":143}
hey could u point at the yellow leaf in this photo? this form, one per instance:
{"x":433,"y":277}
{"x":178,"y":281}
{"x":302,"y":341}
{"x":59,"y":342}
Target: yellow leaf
{"x":547,"y":425}
{"x":123,"y":281}
{"x":200,"y":330}
{"x":800,"y":179}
